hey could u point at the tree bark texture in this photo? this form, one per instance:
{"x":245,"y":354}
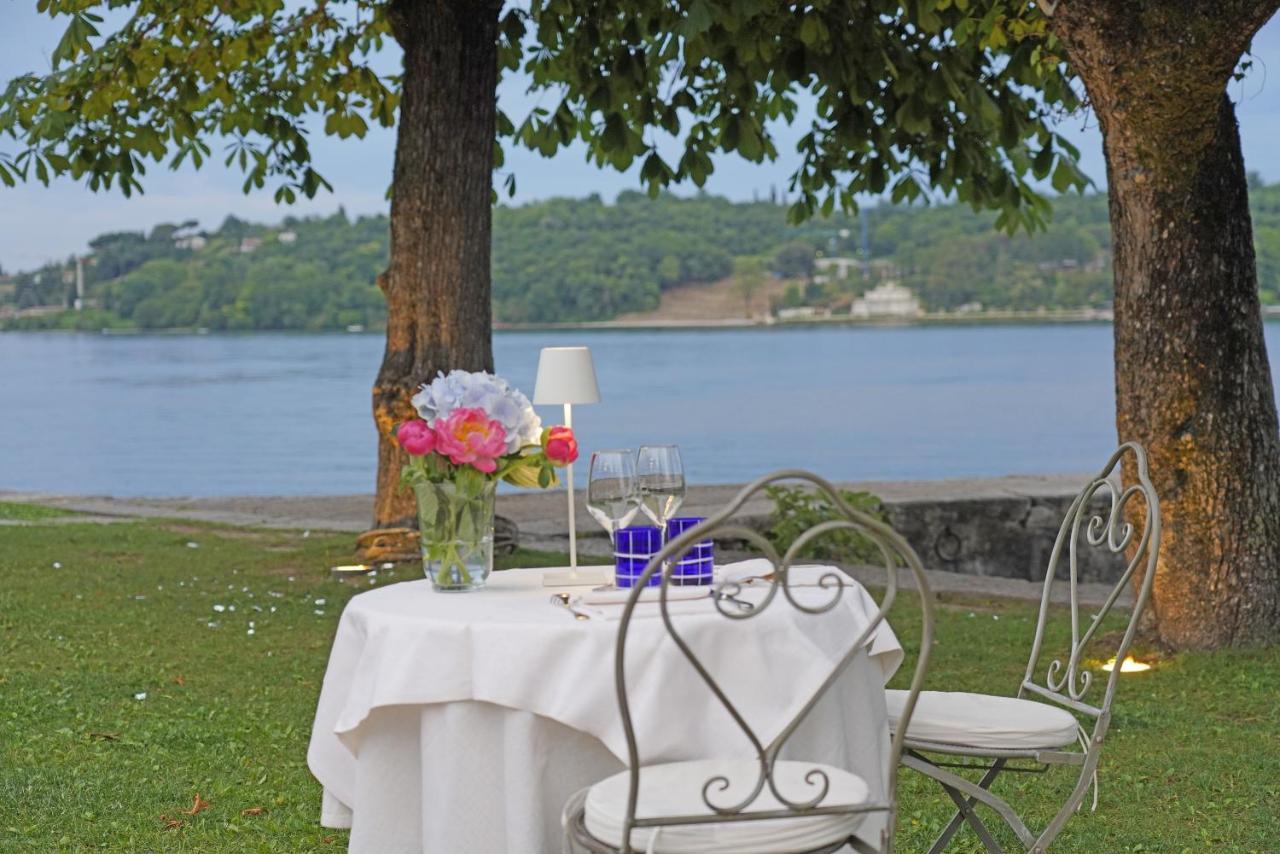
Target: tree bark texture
{"x":437,"y":283}
{"x":1193,"y":383}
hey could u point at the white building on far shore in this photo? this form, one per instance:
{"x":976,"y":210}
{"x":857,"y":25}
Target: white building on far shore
{"x":887,"y":300}
{"x":836,"y":269}
{"x":803,"y":312}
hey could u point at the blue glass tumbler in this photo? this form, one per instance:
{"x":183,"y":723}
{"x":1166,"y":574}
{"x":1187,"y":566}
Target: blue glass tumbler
{"x":697,"y":565}
{"x":632,"y":549}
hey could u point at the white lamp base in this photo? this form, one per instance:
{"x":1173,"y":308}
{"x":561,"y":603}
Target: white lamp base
{"x":584,"y":576}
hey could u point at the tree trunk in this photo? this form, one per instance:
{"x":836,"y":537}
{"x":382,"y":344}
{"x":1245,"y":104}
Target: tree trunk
{"x":437,"y":282}
{"x":1193,"y":383}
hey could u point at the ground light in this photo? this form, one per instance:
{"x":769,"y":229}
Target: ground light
{"x":350,"y":571}
{"x":1127,"y":666}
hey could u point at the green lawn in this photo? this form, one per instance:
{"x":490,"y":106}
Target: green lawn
{"x":124,"y":693}
{"x":21,"y":512}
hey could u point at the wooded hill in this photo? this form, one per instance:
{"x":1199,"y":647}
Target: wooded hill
{"x":583,"y":259}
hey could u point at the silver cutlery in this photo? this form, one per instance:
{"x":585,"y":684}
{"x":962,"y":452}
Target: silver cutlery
{"x":562,"y":600}
{"x":741,"y":604}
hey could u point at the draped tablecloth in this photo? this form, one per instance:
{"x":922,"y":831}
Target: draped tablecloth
{"x":462,"y":722}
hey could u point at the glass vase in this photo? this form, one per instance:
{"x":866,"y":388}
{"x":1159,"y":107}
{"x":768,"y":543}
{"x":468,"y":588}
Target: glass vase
{"x":455,"y":522}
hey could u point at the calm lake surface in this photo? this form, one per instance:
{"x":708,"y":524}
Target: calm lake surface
{"x":288,"y":414}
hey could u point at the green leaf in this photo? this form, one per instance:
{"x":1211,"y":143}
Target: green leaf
{"x":614,"y":137}
{"x":698,"y":19}
{"x":1042,"y":162}
{"x":1063,"y":175}
{"x":750,"y":143}
{"x":812,"y":29}
{"x":466,"y":529}
{"x":428,"y":496}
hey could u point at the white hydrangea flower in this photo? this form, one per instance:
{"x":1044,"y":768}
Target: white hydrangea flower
{"x":480,"y":390}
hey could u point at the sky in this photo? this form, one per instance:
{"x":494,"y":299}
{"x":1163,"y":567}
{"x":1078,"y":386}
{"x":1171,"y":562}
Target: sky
{"x":39,"y":223}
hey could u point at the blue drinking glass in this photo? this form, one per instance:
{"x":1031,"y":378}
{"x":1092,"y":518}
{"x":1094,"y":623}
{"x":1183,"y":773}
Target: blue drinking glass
{"x":632,"y":549}
{"x":697,"y":565}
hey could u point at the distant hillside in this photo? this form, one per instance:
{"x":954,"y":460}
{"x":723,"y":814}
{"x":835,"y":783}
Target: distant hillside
{"x":582,"y":259}
{"x":315,"y":273}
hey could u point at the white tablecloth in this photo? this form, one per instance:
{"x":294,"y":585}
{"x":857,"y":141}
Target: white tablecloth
{"x":462,"y":722}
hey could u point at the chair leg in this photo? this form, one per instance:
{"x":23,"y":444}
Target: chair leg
{"x":916,"y":762}
{"x":963,"y":812}
{"x":1087,"y":774}
{"x":567,"y":819}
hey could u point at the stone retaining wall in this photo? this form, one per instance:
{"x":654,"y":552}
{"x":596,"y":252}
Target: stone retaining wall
{"x":996,"y":527}
{"x":1009,"y":537}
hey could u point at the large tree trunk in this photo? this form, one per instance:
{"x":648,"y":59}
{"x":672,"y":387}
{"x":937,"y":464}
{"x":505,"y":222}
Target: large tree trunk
{"x":1193,"y":383}
{"x":437,"y":283}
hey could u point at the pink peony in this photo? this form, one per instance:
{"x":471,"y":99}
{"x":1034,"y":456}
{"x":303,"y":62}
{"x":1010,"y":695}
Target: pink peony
{"x":560,"y":445}
{"x":469,"y":436}
{"x":416,"y":437}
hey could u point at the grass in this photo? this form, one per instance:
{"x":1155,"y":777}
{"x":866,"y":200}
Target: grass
{"x":1193,"y":761}
{"x":20,"y":512}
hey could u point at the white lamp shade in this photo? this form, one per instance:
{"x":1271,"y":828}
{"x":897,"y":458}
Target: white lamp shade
{"x":565,"y":375}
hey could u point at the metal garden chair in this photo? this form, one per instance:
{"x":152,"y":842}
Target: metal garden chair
{"x":762,"y":804}
{"x":1004,"y":730}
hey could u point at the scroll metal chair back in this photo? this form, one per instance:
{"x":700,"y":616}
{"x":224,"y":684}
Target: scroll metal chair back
{"x":1131,"y":525}
{"x":895,"y":553}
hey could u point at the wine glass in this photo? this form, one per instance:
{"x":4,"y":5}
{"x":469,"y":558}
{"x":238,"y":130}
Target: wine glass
{"x":660,"y":481}
{"x":612,"y":499}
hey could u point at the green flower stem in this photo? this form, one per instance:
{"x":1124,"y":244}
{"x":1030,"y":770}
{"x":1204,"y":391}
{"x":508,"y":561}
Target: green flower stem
{"x":455,"y":519}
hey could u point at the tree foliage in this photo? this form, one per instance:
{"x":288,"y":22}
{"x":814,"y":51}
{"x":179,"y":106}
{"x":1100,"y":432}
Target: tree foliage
{"x":169,"y":80}
{"x":580,"y":259}
{"x":321,"y":279}
{"x":795,"y":259}
{"x":954,"y":95}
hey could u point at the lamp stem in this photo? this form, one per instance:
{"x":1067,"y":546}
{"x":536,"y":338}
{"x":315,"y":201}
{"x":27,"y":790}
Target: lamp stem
{"x":568,"y":477}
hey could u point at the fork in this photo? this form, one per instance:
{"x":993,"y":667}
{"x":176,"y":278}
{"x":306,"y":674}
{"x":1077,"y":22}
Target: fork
{"x":741,"y":604}
{"x":562,"y":600}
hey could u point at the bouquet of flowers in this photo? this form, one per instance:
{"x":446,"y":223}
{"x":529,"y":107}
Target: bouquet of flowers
{"x":476,"y":425}
{"x":474,"y":429}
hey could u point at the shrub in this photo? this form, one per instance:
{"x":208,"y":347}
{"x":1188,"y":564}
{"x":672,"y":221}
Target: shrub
{"x":796,"y":509}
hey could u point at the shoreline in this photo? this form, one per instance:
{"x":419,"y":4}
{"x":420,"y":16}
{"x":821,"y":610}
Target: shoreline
{"x":1270,"y":313}
{"x":1031,"y":318}
{"x":985,"y":319}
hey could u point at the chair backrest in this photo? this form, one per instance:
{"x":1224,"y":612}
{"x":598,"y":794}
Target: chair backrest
{"x":1126,"y":527}
{"x":895,"y":553}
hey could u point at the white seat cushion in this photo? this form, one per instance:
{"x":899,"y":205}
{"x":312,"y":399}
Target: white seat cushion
{"x":676,"y":789}
{"x":983,"y":721}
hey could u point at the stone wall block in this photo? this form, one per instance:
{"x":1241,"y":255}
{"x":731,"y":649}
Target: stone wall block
{"x":1008,"y":537}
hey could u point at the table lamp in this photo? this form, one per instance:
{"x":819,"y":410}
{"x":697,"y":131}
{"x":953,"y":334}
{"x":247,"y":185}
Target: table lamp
{"x":566,"y":375}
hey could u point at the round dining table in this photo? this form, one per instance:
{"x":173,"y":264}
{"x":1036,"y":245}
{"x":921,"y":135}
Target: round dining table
{"x":463,"y":722}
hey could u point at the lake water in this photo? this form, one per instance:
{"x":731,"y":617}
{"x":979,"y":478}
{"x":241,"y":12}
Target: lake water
{"x":288,"y":414}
